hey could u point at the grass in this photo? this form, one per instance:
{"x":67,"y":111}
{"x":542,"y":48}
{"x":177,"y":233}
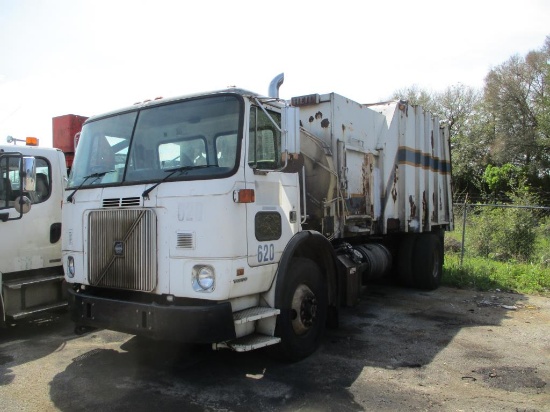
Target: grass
{"x":485,"y":274}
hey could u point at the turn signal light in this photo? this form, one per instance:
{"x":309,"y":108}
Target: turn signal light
{"x":244,"y":196}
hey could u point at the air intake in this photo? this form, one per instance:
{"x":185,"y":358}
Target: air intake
{"x":185,"y":240}
{"x":124,"y":202}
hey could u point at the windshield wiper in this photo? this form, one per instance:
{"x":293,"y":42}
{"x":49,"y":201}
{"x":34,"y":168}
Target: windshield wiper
{"x":172,"y":172}
{"x":95,"y":175}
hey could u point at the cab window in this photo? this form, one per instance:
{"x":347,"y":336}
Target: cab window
{"x":188,"y":152}
{"x":264,"y":151}
{"x":43,"y":181}
{"x":10,"y":184}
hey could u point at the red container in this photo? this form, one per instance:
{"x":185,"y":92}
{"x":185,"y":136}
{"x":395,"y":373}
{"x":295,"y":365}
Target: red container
{"x":64,"y":130}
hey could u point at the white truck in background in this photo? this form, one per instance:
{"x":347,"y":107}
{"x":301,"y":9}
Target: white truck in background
{"x":246,"y":221}
{"x":31,"y":273}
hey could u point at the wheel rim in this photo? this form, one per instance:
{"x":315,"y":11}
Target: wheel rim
{"x":303,"y":310}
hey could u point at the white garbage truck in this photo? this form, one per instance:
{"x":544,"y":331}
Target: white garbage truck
{"x":245,"y":221}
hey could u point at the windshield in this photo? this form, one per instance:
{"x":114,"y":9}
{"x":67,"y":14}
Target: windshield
{"x":200,"y":136}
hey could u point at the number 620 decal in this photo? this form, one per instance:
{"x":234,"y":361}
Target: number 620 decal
{"x":266,"y":253}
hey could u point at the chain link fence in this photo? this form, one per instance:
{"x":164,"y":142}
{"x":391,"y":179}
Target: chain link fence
{"x":503,"y":233}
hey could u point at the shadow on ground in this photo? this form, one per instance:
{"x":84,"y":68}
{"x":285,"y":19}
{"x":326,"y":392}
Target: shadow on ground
{"x":391,"y":328}
{"x":49,"y":332}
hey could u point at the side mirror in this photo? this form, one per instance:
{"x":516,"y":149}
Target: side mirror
{"x":25,"y":167}
{"x":291,"y":129}
{"x":22,"y":204}
{"x":292,"y":158}
{"x":28,"y":174}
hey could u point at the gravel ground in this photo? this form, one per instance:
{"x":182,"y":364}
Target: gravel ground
{"x":398,"y":350}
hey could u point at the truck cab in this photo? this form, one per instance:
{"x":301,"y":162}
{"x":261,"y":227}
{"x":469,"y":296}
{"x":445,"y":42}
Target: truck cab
{"x":31,"y":273}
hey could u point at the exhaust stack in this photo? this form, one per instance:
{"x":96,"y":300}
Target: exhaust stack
{"x":275,"y":85}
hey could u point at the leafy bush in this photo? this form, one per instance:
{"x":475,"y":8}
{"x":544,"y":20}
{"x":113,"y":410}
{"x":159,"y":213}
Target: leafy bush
{"x":483,"y":229}
{"x":504,"y":232}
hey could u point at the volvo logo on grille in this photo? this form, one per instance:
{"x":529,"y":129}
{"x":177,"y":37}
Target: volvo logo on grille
{"x":119,"y":248}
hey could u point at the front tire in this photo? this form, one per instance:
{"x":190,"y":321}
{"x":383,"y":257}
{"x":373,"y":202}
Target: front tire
{"x":303,"y":305}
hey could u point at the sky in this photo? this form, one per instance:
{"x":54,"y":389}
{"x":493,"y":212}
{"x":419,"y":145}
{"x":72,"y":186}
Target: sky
{"x":88,"y":57}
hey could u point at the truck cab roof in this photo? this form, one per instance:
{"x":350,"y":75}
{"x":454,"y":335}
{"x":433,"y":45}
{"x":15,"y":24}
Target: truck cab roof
{"x":161,"y":101}
{"x":28,"y":150}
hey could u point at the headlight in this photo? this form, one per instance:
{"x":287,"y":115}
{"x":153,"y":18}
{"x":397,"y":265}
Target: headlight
{"x":204,"y":278}
{"x":70,"y":267}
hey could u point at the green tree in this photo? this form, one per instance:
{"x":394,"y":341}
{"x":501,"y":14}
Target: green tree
{"x":462,"y":107}
{"x":415,"y":96}
{"x":504,"y":179}
{"x":543,"y":115}
{"x":514,"y":96}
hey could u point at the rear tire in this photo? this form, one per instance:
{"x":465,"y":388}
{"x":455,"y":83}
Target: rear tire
{"x":303,"y":305}
{"x":428,"y":262}
{"x":405,"y":259}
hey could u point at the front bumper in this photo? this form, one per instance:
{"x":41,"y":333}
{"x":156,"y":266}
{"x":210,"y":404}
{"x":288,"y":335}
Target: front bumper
{"x":186,"y":324}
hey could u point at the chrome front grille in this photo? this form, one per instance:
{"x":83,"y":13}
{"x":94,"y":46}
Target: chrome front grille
{"x":122,"y":249}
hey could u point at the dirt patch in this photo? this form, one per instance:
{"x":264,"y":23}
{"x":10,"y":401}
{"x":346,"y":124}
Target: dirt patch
{"x":513,"y":379}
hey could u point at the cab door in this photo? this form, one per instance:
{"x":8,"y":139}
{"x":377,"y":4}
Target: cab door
{"x":273,"y":218}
